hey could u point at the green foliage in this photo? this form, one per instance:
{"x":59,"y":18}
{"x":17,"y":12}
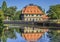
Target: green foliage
{"x":1,"y":22}
{"x":4,"y":6}
{"x":54,"y":36}
{"x":1,"y":18}
{"x":1,"y":14}
{"x":54,"y":12}
{"x":17,"y":15}
{"x":10,"y":11}
{"x":1,"y":30}
{"x":10,"y":33}
{"x":7,"y":33}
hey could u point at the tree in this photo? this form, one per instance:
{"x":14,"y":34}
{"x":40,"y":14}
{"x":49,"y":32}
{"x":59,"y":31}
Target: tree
{"x":1,"y":14}
{"x":54,"y":12}
{"x":12,"y":11}
{"x":4,"y":6}
{"x":17,"y":16}
{"x":8,"y":12}
{"x":9,"y":33}
{"x":1,"y":18}
{"x":1,"y":22}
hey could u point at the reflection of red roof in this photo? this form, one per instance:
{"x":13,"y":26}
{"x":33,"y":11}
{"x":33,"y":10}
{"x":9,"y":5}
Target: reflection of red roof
{"x":44,"y":16}
{"x":32,"y":10}
{"x":32,"y":36}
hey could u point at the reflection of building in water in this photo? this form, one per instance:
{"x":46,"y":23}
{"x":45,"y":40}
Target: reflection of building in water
{"x":32,"y":34}
{"x":33,"y":13}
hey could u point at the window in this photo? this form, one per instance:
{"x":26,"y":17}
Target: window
{"x":27,"y":11}
{"x":37,"y":15}
{"x":40,"y":14}
{"x":31,"y":11}
{"x":34,"y":11}
{"x":32,"y":15}
{"x":37,"y":11}
{"x":26,"y":14}
{"x":29,"y":14}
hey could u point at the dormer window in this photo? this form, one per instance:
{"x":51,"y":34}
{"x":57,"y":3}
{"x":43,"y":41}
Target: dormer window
{"x":27,"y":11}
{"x":34,"y":11}
{"x":40,"y":14}
{"x":37,"y":11}
{"x":26,"y":14}
{"x":32,"y":15}
{"x":37,"y":15}
{"x":31,"y":11}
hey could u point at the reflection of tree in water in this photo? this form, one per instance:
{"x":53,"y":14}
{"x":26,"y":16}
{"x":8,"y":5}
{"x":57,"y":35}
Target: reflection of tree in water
{"x":1,"y":29}
{"x":1,"y":32}
{"x":54,"y":35}
{"x":18,"y":30}
{"x":6,"y":33}
{"x":10,"y":33}
{"x":2,"y":36}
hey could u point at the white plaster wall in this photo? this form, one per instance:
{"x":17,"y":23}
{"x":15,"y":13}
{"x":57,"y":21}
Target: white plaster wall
{"x":28,"y":19}
{"x":31,"y":18}
{"x":25,"y":19}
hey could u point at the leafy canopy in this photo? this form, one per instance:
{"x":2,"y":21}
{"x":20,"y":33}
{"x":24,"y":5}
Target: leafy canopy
{"x":54,"y":11}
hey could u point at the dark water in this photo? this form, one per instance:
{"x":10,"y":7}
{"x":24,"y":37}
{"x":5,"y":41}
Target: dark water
{"x":14,"y":35}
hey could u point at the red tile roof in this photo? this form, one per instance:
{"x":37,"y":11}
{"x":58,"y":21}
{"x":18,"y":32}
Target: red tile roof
{"x":31,"y":10}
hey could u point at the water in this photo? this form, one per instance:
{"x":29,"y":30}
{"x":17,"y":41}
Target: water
{"x":14,"y":35}
{"x":20,"y":39}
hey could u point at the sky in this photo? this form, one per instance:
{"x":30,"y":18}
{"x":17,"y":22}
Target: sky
{"x":22,"y":3}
